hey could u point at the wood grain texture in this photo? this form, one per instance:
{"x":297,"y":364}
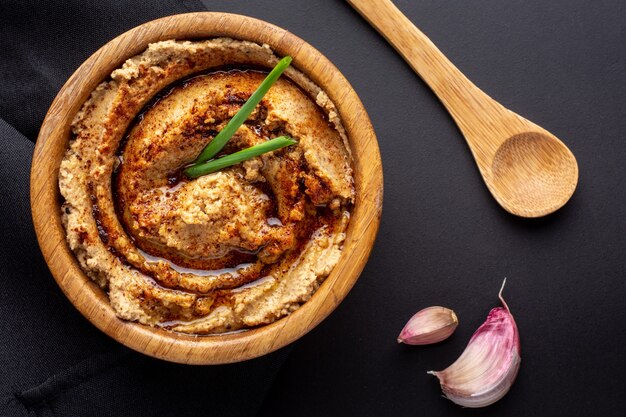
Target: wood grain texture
{"x":93,"y":303}
{"x":527,"y":169}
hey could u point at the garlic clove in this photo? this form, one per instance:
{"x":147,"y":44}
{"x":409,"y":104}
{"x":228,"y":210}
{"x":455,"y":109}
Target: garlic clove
{"x":430,"y":325}
{"x":487,"y":368}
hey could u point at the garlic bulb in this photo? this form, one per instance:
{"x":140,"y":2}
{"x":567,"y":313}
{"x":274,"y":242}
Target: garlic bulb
{"x":430,"y":325}
{"x":487,"y":368}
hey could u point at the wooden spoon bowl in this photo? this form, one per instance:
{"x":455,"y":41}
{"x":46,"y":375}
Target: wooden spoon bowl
{"x":93,"y":303}
{"x":531,"y":174}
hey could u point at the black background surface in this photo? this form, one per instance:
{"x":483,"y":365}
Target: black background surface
{"x":443,"y":239}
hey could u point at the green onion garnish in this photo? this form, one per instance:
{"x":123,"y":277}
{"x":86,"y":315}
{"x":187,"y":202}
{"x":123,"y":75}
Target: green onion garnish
{"x":198,"y":170}
{"x":225,"y":134}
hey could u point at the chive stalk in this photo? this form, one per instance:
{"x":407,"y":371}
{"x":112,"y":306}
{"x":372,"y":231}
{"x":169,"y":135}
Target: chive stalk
{"x":225,"y":134}
{"x":197,"y":170}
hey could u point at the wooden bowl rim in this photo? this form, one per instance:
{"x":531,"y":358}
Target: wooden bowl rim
{"x":93,"y":303}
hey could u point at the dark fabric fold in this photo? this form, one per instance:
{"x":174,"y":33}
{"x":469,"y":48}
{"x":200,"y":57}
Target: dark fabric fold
{"x":79,"y":374}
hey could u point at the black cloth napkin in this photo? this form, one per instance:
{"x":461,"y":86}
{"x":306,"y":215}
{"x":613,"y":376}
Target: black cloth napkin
{"x":52,"y":361}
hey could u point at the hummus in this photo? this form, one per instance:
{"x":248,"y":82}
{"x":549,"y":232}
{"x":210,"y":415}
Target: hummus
{"x":231,"y":250}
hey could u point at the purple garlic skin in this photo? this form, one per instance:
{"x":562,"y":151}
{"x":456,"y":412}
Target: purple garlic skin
{"x":489,"y":365}
{"x":430,"y":325}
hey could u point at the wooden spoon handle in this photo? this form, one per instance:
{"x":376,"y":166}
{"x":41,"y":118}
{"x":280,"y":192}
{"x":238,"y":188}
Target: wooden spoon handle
{"x":467,"y":104}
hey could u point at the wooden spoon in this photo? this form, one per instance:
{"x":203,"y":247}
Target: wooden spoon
{"x":528,"y":170}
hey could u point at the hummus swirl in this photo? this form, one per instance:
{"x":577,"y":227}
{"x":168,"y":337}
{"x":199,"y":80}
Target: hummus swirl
{"x":234,"y":249}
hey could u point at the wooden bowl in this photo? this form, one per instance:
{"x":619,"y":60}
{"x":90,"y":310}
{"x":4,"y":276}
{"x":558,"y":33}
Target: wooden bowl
{"x":93,"y":302}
